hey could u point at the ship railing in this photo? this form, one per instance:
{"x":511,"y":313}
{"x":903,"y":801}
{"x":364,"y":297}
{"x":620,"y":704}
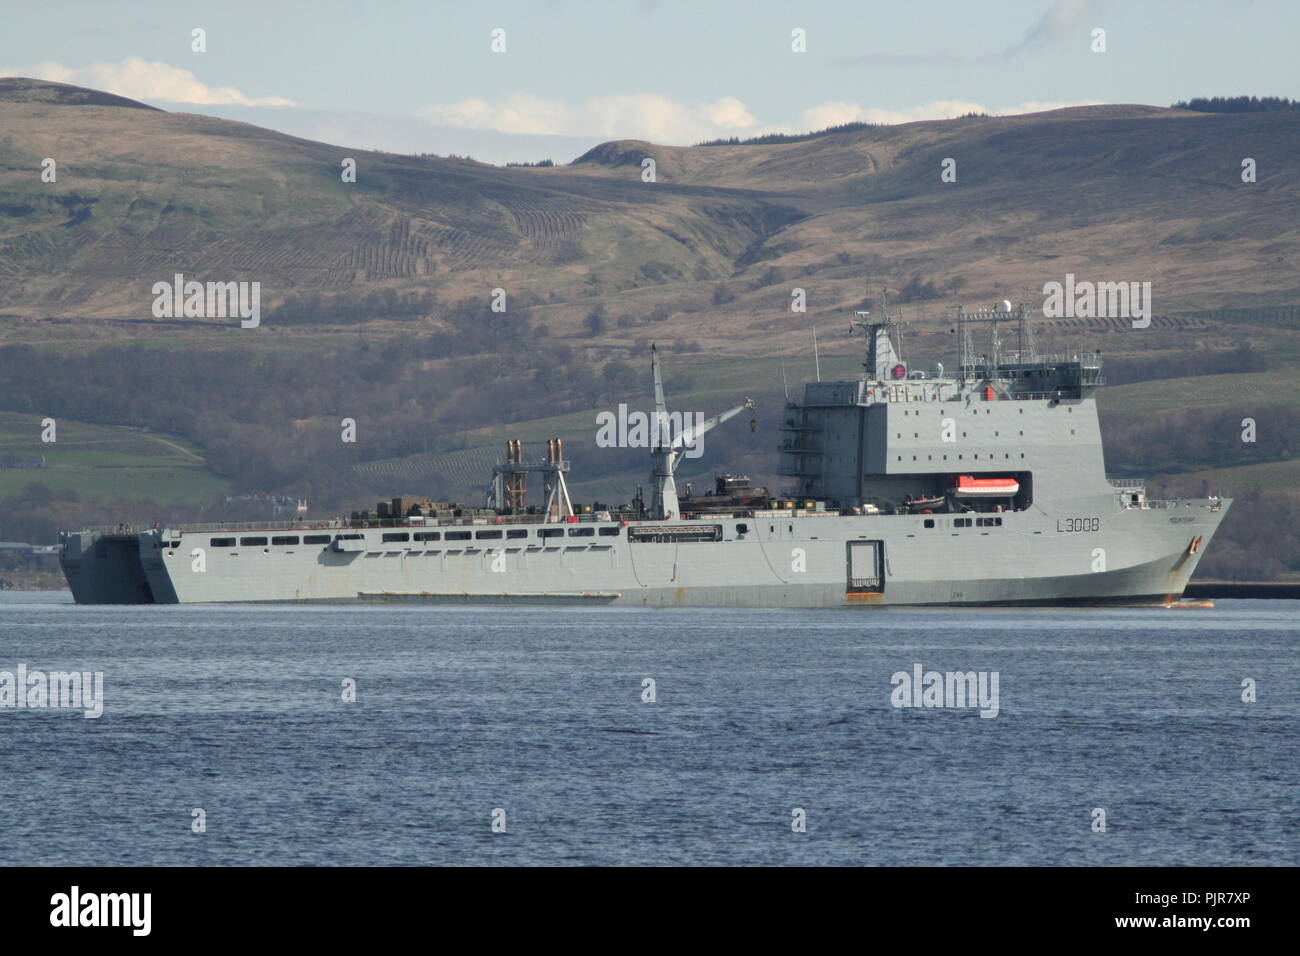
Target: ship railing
{"x":134,"y":529}
{"x":1018,"y":396}
{"x":354,"y":523}
{"x":1048,"y":359}
{"x":1128,"y":484}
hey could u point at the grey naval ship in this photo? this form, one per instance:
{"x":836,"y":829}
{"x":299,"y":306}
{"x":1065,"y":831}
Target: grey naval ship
{"x":986,"y":486}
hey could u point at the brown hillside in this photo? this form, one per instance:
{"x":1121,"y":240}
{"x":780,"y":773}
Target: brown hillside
{"x":1113,"y":192}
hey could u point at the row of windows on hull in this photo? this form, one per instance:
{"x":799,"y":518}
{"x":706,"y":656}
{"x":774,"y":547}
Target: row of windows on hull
{"x":973,"y":411}
{"x":966,"y":522}
{"x":260,"y":541}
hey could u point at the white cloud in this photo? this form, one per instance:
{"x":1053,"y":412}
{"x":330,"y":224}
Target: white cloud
{"x":143,"y":80}
{"x":618,"y":116}
{"x":730,"y":113}
{"x":835,"y":113}
{"x":662,"y":120}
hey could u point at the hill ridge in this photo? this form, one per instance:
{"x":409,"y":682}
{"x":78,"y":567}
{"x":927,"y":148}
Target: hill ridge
{"x":24,"y":89}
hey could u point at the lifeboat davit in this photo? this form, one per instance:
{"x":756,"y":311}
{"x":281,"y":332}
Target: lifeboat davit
{"x":969,"y":486}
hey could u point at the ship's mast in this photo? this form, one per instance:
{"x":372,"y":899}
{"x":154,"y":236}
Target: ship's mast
{"x":882,"y":356}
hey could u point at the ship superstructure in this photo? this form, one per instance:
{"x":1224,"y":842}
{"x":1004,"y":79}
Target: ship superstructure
{"x":984,"y":486}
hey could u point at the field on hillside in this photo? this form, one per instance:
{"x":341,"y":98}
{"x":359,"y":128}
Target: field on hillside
{"x":107,"y":462}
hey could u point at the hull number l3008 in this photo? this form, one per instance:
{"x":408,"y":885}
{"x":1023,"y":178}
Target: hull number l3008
{"x":1078,"y":524}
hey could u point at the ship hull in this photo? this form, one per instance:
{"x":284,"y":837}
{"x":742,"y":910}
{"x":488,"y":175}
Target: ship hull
{"x":1135,"y":556}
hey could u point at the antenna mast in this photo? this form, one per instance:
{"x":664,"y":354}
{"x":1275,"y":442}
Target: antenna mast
{"x":992,"y":317}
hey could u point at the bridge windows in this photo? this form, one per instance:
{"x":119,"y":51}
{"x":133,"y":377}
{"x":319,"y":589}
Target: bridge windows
{"x":285,"y":539}
{"x":252,"y":542}
{"x":397,"y":536}
{"x":221,"y":543}
{"x":428,"y":536}
{"x":315,"y":539}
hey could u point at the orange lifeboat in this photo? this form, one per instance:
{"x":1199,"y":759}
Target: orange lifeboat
{"x":969,"y":486}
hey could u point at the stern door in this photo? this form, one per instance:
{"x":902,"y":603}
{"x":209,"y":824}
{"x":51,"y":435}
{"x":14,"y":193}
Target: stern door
{"x":866,"y":566}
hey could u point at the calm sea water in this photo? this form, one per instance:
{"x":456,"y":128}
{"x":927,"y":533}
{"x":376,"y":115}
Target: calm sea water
{"x":538,"y":711}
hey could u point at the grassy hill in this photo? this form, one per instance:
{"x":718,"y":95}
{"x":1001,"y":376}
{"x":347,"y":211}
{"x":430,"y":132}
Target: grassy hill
{"x":107,"y":462}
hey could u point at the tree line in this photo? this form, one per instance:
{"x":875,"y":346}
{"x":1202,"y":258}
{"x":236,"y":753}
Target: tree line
{"x":1237,"y":104}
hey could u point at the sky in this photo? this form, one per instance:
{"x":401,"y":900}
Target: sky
{"x":422,"y":75}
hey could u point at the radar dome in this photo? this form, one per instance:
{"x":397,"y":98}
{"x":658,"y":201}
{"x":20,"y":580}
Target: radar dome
{"x":1006,"y":305}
